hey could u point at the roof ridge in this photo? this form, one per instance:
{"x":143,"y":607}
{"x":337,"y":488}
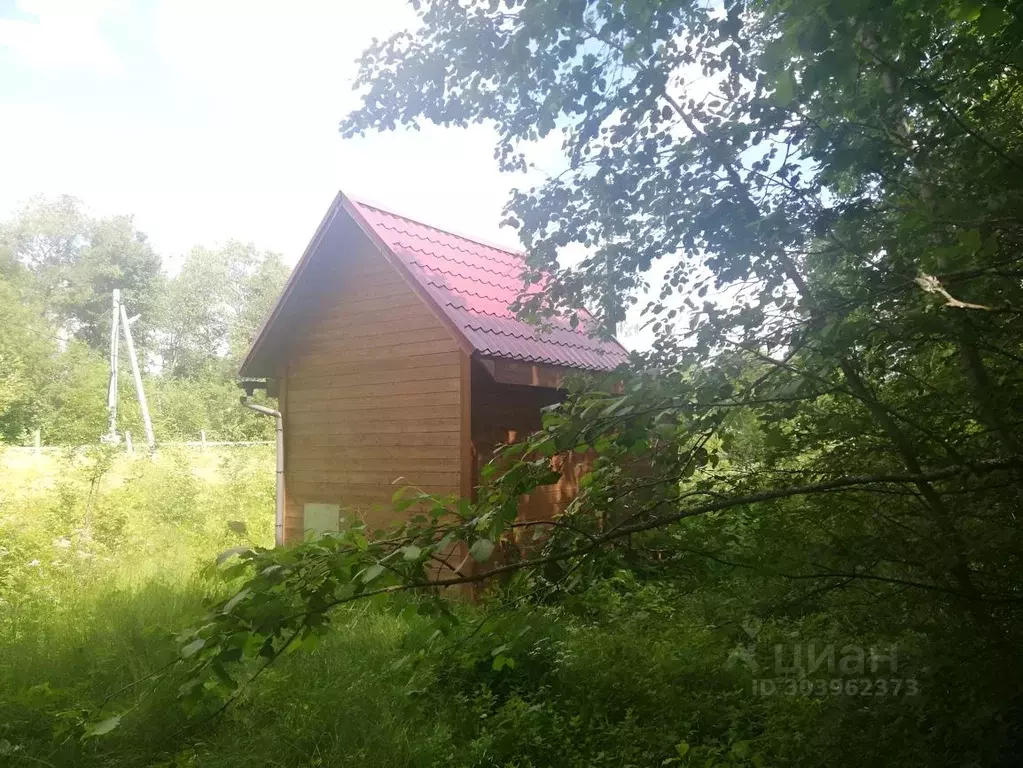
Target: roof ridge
{"x":376,"y":207}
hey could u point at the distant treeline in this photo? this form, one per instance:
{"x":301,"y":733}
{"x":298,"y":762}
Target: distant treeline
{"x":58,"y":268}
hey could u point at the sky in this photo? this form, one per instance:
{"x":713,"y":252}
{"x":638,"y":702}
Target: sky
{"x":217,"y":119}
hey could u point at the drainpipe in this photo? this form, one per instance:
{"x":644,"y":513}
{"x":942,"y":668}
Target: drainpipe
{"x":279,"y":507}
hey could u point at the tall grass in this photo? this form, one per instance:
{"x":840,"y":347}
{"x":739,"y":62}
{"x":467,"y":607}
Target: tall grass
{"x":105,"y":560}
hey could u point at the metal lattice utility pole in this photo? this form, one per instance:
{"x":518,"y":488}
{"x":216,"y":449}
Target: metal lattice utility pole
{"x":112,"y":388}
{"x":137,"y":374}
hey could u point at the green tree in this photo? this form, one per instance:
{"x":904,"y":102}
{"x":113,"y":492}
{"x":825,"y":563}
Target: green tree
{"x":261,"y":289}
{"x":832,"y":402}
{"x":846,"y":178}
{"x":58,"y":267}
{"x":27,"y":345}
{"x":73,"y":409}
{"x":184,"y":407}
{"x":214,"y":305}
{"x":75,"y":261}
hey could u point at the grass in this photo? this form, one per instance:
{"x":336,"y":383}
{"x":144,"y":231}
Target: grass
{"x":105,"y":560}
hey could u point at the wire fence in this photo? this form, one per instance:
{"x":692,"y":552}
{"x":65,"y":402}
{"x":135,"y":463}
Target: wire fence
{"x":130,"y":448}
{"x":204,"y":443}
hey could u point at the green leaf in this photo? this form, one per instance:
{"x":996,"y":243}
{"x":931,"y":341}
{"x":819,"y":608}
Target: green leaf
{"x":992,"y":18}
{"x":311,"y":641}
{"x":193,"y":648}
{"x":775,"y":438}
{"x":481,"y":550}
{"x":252,"y":645}
{"x":501,"y":661}
{"x":227,"y":554}
{"x":776,"y":55}
{"x":785,"y":89}
{"x":103,"y":726}
{"x":412,"y":552}
{"x":236,"y":599}
{"x":971,"y":240}
{"x":967,"y":10}
{"x":401,"y":501}
{"x":224,"y":676}
{"x":371,"y":573}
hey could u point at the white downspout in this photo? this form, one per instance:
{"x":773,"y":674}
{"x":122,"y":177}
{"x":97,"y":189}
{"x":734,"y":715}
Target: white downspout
{"x":279,"y":510}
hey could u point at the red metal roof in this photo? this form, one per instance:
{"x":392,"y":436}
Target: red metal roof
{"x":474,"y":283}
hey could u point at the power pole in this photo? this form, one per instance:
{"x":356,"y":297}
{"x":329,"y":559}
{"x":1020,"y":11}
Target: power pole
{"x":137,"y":374}
{"x":112,"y":388}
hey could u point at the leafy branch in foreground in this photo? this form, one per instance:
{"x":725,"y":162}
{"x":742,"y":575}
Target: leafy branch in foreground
{"x":811,"y":406}
{"x":661,"y":462}
{"x":774,"y":176}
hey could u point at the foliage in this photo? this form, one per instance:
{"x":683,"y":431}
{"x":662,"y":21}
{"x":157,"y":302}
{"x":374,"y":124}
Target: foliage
{"x":831,"y":192}
{"x":830,"y":197}
{"x":24,"y":342}
{"x":78,"y":515}
{"x":184,"y":408}
{"x":215,"y":305}
{"x":631,"y":671}
{"x":98,"y":557}
{"x":75,"y":261}
{"x":73,"y":396}
{"x":821,"y":444}
{"x":58,"y":267}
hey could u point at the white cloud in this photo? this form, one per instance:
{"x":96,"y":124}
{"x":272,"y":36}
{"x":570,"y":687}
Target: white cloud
{"x":64,"y":35}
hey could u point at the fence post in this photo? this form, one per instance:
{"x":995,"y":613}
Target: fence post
{"x":202,"y":439}
{"x":127,"y":444}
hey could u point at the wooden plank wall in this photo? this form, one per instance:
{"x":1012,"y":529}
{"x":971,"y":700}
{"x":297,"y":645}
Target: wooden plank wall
{"x":372,"y":394}
{"x":506,"y":413}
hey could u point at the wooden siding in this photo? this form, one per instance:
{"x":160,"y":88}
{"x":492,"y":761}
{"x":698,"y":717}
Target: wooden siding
{"x":373,"y":393}
{"x":506,"y":413}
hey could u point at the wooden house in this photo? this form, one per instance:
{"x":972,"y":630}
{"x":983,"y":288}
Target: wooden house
{"x":393,"y":354}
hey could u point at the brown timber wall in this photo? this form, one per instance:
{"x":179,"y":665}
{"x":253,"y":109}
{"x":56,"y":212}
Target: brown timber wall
{"x":507,"y":413}
{"x":372,"y":393}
